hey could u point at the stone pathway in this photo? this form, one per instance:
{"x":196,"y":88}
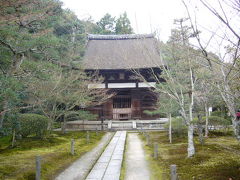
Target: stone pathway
{"x":136,"y":164}
{"x":108,"y":166}
{"x":80,"y":168}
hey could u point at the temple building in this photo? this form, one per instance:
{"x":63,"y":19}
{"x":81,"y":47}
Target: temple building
{"x":129,"y":65}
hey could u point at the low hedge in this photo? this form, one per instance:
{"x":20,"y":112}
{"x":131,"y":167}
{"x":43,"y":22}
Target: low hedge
{"x":33,"y":124}
{"x":179,"y":127}
{"x":214,"y":121}
{"x":219,"y":114}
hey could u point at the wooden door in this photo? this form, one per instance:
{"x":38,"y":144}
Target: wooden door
{"x":122,"y":108}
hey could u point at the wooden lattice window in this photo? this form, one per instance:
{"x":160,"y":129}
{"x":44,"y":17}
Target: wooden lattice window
{"x":123,"y":102}
{"x":121,"y":76}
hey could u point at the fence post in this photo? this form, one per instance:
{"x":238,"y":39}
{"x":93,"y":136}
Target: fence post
{"x":72,"y":146}
{"x":173,"y":168}
{"x":38,"y":168}
{"x":87,"y":137}
{"x":148,"y":141}
{"x":155,"y":151}
{"x":170,"y":128}
{"x":97,"y":131}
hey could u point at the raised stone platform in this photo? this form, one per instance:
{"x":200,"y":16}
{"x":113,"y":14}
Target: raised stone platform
{"x":108,"y":166}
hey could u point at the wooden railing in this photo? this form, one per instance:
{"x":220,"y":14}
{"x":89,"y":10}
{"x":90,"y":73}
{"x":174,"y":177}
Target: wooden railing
{"x":117,"y":125}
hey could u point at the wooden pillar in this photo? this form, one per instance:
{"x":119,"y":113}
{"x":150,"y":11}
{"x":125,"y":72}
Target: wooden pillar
{"x":108,"y":109}
{"x":135,"y":104}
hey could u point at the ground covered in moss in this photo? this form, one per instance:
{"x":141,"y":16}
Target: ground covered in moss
{"x":19,"y":162}
{"x":218,"y":159}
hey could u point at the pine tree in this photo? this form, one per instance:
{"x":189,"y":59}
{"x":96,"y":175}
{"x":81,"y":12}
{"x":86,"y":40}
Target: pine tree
{"x":123,"y":25}
{"x":106,"y":24}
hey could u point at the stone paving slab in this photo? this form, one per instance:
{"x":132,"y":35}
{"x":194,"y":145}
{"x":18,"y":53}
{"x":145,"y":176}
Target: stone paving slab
{"x":104,"y":159}
{"x":111,"y":177}
{"x":108,"y":167}
{"x":100,"y":165}
{"x":114,"y":163}
{"x":81,"y":167}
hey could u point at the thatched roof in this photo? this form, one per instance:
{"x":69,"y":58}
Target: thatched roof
{"x":131,"y":51}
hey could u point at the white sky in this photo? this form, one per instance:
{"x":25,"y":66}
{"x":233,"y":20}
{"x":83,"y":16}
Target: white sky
{"x":148,"y":16}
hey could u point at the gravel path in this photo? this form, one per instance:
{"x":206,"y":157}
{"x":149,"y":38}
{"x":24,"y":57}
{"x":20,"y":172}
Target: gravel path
{"x":136,"y":164}
{"x":81,"y":167}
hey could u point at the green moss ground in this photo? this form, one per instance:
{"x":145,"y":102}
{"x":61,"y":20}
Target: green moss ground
{"x":218,"y":159}
{"x":19,"y":162}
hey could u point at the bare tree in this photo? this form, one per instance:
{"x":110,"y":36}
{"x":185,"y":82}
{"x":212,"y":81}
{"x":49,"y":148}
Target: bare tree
{"x":180,"y":77}
{"x":63,"y":92}
{"x":225,"y":67}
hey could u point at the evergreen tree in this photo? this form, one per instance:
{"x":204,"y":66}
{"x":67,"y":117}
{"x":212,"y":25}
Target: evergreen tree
{"x":40,"y":45}
{"x":106,"y":24}
{"x":23,"y":29}
{"x":123,"y":25}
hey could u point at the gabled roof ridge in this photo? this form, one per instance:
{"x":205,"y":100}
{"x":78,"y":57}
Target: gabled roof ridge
{"x":119,"y":37}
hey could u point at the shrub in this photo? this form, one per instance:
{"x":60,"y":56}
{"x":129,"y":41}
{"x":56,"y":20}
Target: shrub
{"x":10,"y":123}
{"x":80,"y":115}
{"x":178,"y":126}
{"x":221,"y":132}
{"x":214,"y":121}
{"x":87,"y":115}
{"x":222,"y":114}
{"x":219,"y":113}
{"x":33,"y":124}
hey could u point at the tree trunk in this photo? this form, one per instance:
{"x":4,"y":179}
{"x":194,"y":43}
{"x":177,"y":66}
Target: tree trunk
{"x":14,"y":137}
{"x":191,"y":148}
{"x":73,"y":38}
{"x":229,"y":100}
{"x":64,"y":125}
{"x":200,"y":129}
{"x":3,"y":113}
{"x":17,"y":61}
{"x":236,"y":127}
{"x":206,"y":120}
{"x":170,"y":128}
{"x":50,"y":124}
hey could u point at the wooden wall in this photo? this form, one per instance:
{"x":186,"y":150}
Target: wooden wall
{"x":141,"y":99}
